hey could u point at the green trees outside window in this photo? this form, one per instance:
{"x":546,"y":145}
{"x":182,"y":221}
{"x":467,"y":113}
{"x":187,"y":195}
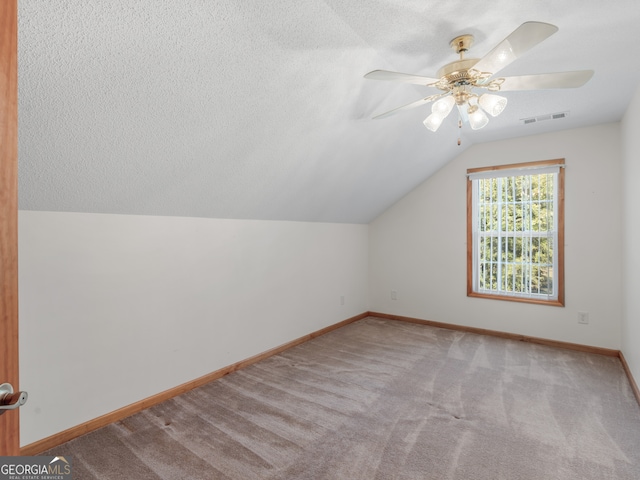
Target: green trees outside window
{"x":515,"y":226}
{"x":514,"y":249}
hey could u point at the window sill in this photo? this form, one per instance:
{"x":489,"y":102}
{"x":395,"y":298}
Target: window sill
{"x":551,"y":303}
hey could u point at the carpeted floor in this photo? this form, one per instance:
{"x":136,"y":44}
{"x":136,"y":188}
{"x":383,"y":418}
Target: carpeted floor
{"x":382,"y":399}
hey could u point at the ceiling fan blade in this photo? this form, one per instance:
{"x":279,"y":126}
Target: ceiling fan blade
{"x":547,"y":80}
{"x":523,"y":38}
{"x":400,"y":77}
{"x":411,"y":105}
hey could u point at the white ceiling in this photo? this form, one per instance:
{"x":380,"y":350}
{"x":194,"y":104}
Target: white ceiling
{"x":252,"y":109}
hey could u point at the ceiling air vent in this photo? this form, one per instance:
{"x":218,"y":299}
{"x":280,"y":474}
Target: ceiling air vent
{"x":542,"y":118}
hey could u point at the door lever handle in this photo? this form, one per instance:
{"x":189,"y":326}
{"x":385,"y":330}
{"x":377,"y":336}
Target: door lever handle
{"x":10,"y":400}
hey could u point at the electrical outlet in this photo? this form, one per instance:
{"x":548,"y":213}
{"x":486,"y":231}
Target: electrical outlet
{"x":583,"y":317}
{"x":341,"y":299}
{"x":394,"y":295}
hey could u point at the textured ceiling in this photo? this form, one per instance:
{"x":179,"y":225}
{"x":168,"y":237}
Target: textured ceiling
{"x":252,"y":109}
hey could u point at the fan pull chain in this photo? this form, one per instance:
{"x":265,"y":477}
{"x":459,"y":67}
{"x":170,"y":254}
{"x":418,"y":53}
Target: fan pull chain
{"x":459,"y":127}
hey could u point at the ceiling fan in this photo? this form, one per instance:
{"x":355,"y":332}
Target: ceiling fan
{"x":459,"y":80}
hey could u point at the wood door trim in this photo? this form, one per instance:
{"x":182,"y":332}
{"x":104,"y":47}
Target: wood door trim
{"x":9,"y":422}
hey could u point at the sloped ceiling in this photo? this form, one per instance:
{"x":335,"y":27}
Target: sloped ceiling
{"x":252,"y":109}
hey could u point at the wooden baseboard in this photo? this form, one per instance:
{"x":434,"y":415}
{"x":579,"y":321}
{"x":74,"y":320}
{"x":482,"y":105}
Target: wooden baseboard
{"x":104,"y":420}
{"x":632,"y":382}
{"x":524,"y":338}
{"x":510,"y":336}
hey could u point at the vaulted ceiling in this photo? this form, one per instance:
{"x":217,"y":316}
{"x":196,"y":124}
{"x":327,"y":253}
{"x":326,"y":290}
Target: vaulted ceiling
{"x":251,"y":109}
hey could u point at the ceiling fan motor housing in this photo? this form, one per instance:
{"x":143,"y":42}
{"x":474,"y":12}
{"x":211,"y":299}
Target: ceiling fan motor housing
{"x":456,"y":73}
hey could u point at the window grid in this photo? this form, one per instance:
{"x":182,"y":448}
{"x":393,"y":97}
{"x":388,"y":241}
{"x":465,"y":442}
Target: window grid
{"x":516,"y":235}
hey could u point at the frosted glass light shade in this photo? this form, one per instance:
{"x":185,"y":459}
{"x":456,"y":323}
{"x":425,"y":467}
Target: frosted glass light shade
{"x":443,"y":106}
{"x":440,"y":110}
{"x":492,"y":104}
{"x":433,"y":121}
{"x":477,"y":118}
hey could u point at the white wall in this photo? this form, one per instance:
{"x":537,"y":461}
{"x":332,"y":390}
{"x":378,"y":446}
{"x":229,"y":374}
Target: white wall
{"x":631,"y":236}
{"x":116,"y":308}
{"x":418,"y":247}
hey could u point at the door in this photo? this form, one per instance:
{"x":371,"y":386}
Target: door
{"x":9,"y":422}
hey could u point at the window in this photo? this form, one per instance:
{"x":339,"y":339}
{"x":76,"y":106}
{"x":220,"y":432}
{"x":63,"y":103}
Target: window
{"x":515,"y":232}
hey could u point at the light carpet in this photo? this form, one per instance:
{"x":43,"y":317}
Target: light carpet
{"x":384,"y":399}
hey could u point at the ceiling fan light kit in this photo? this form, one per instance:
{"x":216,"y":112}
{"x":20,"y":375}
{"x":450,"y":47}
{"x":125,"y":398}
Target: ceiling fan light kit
{"x":459,"y":79}
{"x":443,"y":106}
{"x":492,"y":104}
{"x":477,"y":118}
{"x":439,"y":111}
{"x":433,"y":122}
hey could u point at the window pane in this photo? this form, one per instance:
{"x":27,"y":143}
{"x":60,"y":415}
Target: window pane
{"x":514,"y":253}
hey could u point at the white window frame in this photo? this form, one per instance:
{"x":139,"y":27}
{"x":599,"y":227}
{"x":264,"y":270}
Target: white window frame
{"x":556,"y":234}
